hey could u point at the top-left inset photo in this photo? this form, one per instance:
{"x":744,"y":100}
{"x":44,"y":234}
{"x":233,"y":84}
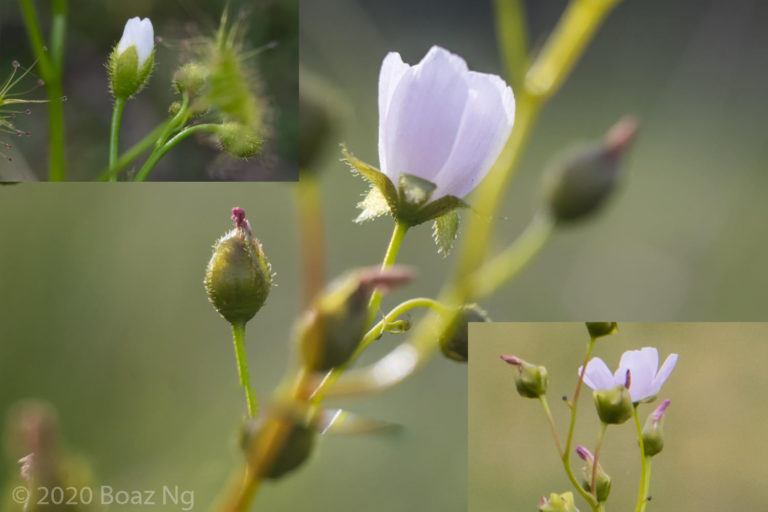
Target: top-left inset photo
{"x":149,"y":90}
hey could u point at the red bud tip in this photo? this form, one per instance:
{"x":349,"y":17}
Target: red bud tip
{"x":659,"y":412}
{"x":620,"y":136}
{"x":238,"y":215}
{"x":515,"y":361}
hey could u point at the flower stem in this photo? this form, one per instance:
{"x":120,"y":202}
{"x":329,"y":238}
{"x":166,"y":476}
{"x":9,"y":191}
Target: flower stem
{"x":545,"y":405}
{"x":134,"y":152}
{"x":373,"y":334}
{"x":157,"y":154}
{"x":238,"y":336}
{"x":398,"y":234}
{"x":50,"y":71}
{"x":114,"y":134}
{"x":312,"y":236}
{"x":512,"y":35}
{"x":598,"y":445}
{"x":566,"y":459}
{"x":645,"y":468}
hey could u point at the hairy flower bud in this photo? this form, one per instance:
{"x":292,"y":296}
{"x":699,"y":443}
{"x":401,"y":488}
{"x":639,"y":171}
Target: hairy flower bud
{"x":454,"y":342}
{"x":294,"y":451}
{"x":653,"y":433}
{"x":602,"y":480}
{"x":614,"y":405}
{"x":130,"y":63}
{"x":558,"y":503}
{"x":531,"y":381}
{"x":600,"y":329}
{"x":238,"y":277}
{"x":330,"y":332}
{"x":190,"y":78}
{"x":580,"y":183}
{"x":238,"y":140}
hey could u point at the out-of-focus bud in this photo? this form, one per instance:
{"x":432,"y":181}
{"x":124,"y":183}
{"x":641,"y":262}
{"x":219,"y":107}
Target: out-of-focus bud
{"x":531,"y":380}
{"x":238,"y":140}
{"x":454,"y":342}
{"x":130,"y":63}
{"x":602,"y":480}
{"x":600,"y":329}
{"x":294,"y":451}
{"x":614,"y":405}
{"x":238,"y":276}
{"x":653,"y":433}
{"x":558,"y":503}
{"x":330,"y":332}
{"x":190,"y":78}
{"x":579,"y":184}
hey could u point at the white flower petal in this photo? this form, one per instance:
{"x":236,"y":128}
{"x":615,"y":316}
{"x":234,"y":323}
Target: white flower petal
{"x":642,"y":364}
{"x":597,"y":374}
{"x":424,"y":115}
{"x":485,"y":127}
{"x":664,"y":373}
{"x":392,"y":70}
{"x":138,"y":33}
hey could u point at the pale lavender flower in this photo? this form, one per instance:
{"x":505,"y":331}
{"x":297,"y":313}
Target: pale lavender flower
{"x":440,"y":121}
{"x":138,"y":33}
{"x":643,"y":365}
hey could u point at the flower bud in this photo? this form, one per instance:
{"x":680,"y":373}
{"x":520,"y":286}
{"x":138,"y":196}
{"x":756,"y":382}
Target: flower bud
{"x":130,"y":63}
{"x":600,"y":329}
{"x":582,"y":181}
{"x":558,"y":503}
{"x":190,"y":78}
{"x":653,"y":434}
{"x":454,"y":342}
{"x":238,"y":276}
{"x":294,"y":451}
{"x":238,"y":140}
{"x":602,"y":480}
{"x":330,"y":332}
{"x":614,"y":405}
{"x":531,"y":381}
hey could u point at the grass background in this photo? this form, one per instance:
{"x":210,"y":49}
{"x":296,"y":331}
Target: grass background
{"x":713,"y":432}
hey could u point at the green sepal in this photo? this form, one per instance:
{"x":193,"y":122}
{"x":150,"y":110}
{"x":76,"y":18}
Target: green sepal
{"x":409,"y":202}
{"x":446,"y":228}
{"x":125,"y":77}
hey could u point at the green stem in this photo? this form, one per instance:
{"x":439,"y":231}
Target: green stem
{"x":398,"y":234}
{"x":114,"y":133}
{"x":494,"y":274}
{"x":545,"y":405}
{"x":238,"y":336}
{"x":134,"y":152}
{"x":566,"y":459}
{"x":50,"y":71}
{"x":176,"y":121}
{"x":598,"y":446}
{"x":645,"y":468}
{"x":512,"y":36}
{"x":157,"y":154}
{"x":372,"y":335}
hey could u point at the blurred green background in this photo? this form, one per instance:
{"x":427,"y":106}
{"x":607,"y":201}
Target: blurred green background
{"x":714,"y":430}
{"x":94,"y":27}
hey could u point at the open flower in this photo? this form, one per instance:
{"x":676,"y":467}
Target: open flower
{"x":440,"y":121}
{"x":643,"y":365}
{"x":138,"y":33}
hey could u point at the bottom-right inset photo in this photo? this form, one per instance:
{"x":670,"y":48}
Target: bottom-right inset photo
{"x":600,"y":416}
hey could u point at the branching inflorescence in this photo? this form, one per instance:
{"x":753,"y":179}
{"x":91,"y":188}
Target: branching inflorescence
{"x":617,"y":397}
